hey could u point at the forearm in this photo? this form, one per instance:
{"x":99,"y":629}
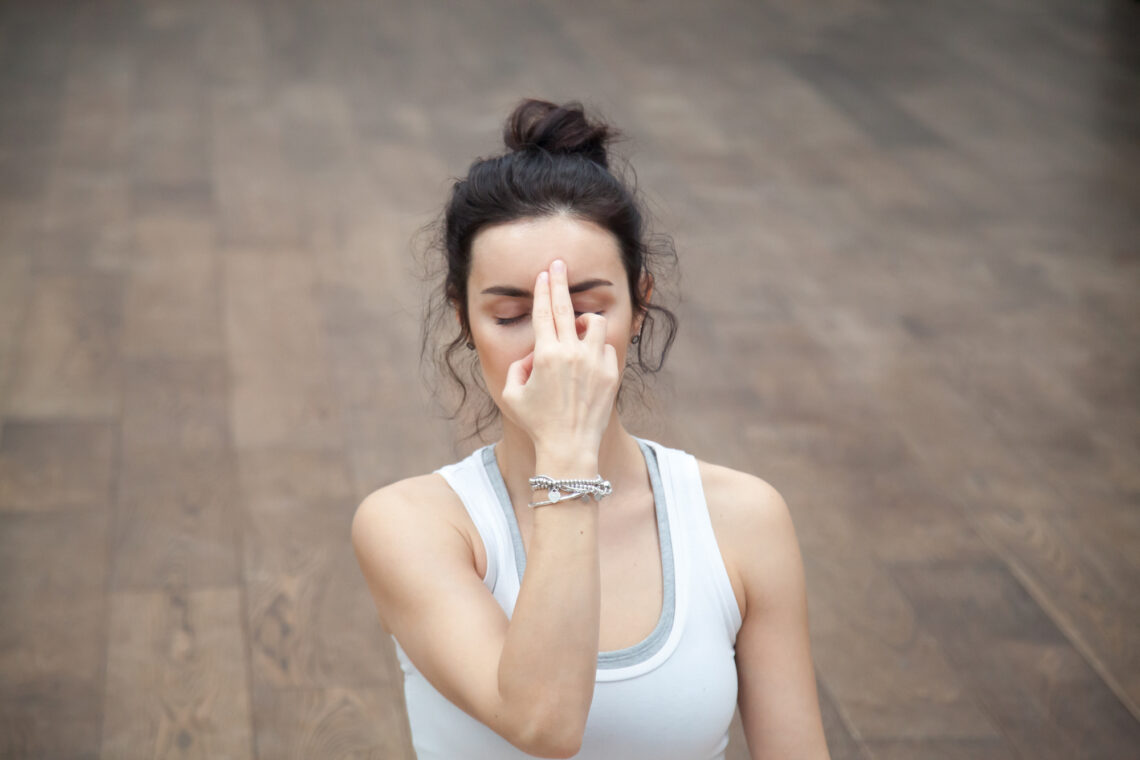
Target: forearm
{"x":549,"y":660}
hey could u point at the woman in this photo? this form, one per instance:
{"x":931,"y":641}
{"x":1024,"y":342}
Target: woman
{"x":625,"y":611}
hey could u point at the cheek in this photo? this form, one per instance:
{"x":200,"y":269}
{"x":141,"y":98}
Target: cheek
{"x":504,"y":345}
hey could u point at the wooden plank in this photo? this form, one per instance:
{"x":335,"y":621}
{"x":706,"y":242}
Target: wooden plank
{"x":95,"y":117}
{"x":256,"y":197}
{"x":56,"y":464}
{"x":874,"y":111}
{"x":176,"y":520}
{"x":1096,"y":615}
{"x":177,"y":681}
{"x":906,"y":243}
{"x":1018,"y":513}
{"x":842,"y":742}
{"x":173,"y":301}
{"x":33,"y":76}
{"x":301,"y":723}
{"x":178,"y":403}
{"x":281,"y":391}
{"x":66,"y":363}
{"x":886,"y":670}
{"x":324,"y":668}
{"x":169,"y":134}
{"x":940,"y":749}
{"x":311,"y":619}
{"x":85,"y":224}
{"x":1019,"y":665}
{"x":53,"y":631}
{"x":16,"y":243}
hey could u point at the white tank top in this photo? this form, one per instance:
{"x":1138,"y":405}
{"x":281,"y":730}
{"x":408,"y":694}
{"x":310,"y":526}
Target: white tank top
{"x":670,"y":696}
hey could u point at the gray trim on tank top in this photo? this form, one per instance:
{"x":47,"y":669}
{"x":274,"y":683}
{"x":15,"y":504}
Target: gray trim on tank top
{"x":650,"y":645}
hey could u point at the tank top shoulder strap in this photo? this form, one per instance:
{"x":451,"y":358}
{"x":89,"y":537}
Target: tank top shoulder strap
{"x":468,"y":479}
{"x":709,"y":574}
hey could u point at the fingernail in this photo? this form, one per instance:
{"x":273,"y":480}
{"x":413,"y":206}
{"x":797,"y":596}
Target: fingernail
{"x":558,"y":266}
{"x":542,"y":276}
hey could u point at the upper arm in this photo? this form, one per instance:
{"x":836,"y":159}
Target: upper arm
{"x":779,"y":705}
{"x":419,"y":569}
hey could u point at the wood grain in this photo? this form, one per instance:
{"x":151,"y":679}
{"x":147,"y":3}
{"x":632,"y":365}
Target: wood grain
{"x":177,"y":685}
{"x":906,"y":284}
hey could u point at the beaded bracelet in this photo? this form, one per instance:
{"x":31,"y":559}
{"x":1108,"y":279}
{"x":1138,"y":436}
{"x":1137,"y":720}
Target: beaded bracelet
{"x":564,"y":490}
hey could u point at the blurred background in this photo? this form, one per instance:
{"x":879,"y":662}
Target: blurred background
{"x":908,"y":237}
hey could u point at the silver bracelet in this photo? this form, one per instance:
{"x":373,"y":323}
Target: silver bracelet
{"x":573,"y":488}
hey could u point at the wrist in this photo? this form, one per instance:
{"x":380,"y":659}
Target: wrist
{"x":570,"y":488}
{"x":564,"y":465}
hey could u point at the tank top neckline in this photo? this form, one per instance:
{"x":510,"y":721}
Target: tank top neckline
{"x":645,"y":649}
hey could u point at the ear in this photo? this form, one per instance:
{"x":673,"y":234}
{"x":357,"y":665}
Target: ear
{"x":646,"y":288}
{"x":458,"y":317}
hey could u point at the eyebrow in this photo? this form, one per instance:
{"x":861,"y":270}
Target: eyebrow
{"x":513,"y":292}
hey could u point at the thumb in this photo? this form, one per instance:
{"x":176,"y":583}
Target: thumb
{"x":519,"y":371}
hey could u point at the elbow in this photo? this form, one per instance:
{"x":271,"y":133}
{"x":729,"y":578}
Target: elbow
{"x":547,"y":718}
{"x":552,"y":734}
{"x":564,"y":751}
{"x":550,"y":745}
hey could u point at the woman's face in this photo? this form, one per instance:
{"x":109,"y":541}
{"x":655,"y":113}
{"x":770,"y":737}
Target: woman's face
{"x":506,"y":260}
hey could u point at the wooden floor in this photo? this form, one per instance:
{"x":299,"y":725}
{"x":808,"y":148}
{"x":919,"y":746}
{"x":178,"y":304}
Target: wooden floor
{"x":909,"y":245}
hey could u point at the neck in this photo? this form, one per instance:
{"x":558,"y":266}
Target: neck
{"x":620,"y":460}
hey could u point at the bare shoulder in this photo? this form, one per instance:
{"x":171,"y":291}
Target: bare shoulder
{"x":416,"y":519}
{"x":738,"y":498}
{"x":422,"y":502}
{"x":419,"y":496}
{"x":753,"y":528}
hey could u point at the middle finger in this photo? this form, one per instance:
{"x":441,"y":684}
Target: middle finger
{"x":540,"y":315}
{"x":560,"y":303}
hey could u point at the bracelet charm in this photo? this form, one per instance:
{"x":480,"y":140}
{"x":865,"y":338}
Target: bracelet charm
{"x":565,"y":490}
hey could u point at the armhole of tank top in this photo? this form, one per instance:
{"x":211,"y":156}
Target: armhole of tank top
{"x":458,"y":476}
{"x":711,"y":555}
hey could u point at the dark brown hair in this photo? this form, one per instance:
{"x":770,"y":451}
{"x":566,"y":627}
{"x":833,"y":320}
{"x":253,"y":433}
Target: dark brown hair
{"x":557,"y":161}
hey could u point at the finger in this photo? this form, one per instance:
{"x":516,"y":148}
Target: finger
{"x":580,"y":325}
{"x":595,"y":330}
{"x":519,"y":371}
{"x":560,"y":303}
{"x":540,"y":314}
{"x":610,"y":361}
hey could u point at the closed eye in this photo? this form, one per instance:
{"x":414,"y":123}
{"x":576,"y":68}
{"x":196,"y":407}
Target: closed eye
{"x":512,"y":320}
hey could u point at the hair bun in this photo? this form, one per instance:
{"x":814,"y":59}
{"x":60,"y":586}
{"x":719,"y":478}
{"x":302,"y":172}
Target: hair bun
{"x":557,"y":129}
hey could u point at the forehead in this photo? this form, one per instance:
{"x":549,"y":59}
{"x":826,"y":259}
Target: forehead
{"x":515,"y":252}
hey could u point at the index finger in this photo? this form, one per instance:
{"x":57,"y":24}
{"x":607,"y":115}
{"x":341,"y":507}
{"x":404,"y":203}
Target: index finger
{"x":541,"y":316}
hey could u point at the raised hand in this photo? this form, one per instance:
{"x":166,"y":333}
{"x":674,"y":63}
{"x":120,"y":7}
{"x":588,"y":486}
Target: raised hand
{"x":562,"y":393}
